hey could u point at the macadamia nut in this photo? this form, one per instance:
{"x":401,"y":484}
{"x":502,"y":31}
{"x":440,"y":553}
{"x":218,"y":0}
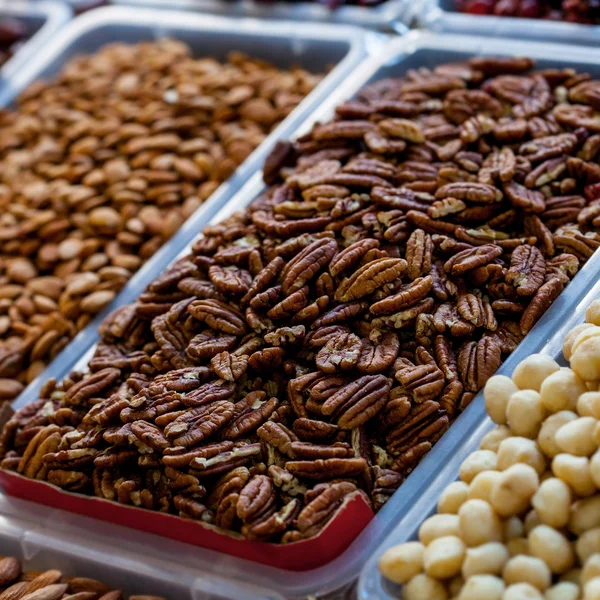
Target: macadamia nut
{"x":528,"y":569}
{"x":591,"y":569}
{"x":525,"y":413}
{"x":577,"y":437}
{"x":477,"y":462}
{"x":487,"y":559}
{"x":401,"y":563}
{"x":552,"y":547}
{"x":520,"y":450}
{"x":585,"y":360}
{"x":496,"y":393}
{"x":546,"y":438}
{"x":423,"y":587}
{"x":531,"y":372}
{"x":588,"y":544}
{"x":493,"y":439}
{"x":571,"y":337}
{"x":562,"y":591}
{"x":453,"y":497}
{"x":513,"y":489}
{"x":585,"y":515}
{"x":552,"y":502}
{"x":438,"y":526}
{"x":478,"y":523}
{"x":592,"y":313}
{"x":482,"y":587}
{"x":522,"y":591}
{"x":591,"y":590}
{"x":444,"y":556}
{"x":588,"y":405}
{"x":481,"y":486}
{"x":561,"y":390}
{"x":576,"y":471}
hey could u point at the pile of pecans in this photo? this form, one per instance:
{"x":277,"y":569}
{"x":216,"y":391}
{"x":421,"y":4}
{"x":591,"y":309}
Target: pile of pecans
{"x":99,"y":167}
{"x":523,"y":520}
{"x":53,"y":585}
{"x":316,"y":345}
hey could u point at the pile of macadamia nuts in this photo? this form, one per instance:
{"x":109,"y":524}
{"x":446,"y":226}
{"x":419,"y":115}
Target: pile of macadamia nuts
{"x":523,"y":521}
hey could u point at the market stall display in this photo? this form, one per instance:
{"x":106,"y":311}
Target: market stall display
{"x":522,"y":519}
{"x":278,"y":394}
{"x":182,"y":412}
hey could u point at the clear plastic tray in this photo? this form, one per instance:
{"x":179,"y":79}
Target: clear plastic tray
{"x":442,"y":15}
{"x":412,"y":51}
{"x":74,"y":555}
{"x":313,"y":46}
{"x":43,"y":19}
{"x":390,"y":14}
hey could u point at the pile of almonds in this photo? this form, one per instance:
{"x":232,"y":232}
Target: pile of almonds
{"x":17,"y":584}
{"x":99,"y":167}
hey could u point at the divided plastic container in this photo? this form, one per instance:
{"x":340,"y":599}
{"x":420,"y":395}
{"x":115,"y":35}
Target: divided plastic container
{"x":417,"y":49}
{"x":443,"y":15}
{"x":312,"y":46}
{"x":390,"y":14}
{"x":42,"y":19}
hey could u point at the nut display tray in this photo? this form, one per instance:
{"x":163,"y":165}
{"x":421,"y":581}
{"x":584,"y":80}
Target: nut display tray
{"x":42,"y":19}
{"x":414,"y":50}
{"x":313,"y":47}
{"x":546,"y":338}
{"x":442,"y":15}
{"x":385,"y":16}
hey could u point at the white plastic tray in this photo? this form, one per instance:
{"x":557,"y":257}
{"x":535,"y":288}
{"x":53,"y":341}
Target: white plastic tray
{"x":548,"y":338}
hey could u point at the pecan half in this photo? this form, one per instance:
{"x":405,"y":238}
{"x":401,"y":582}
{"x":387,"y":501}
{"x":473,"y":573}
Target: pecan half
{"x":527,"y":270}
{"x":370,"y":277}
{"x":357,"y":402}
